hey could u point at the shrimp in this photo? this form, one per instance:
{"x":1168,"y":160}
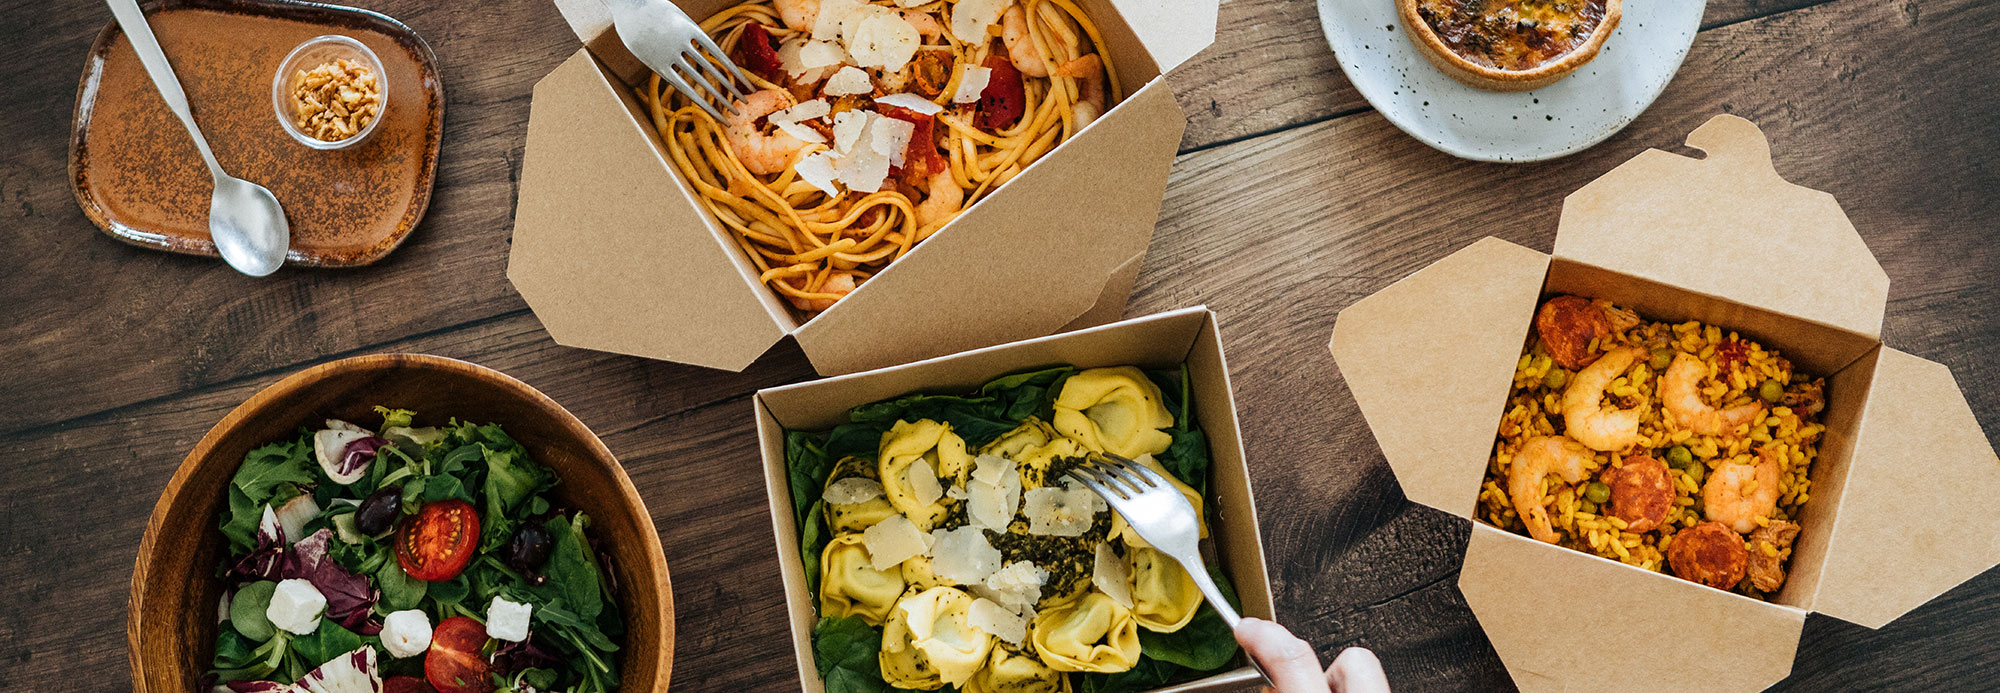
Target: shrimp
{"x":1584,"y":417}
{"x":1641,"y":495}
{"x":1738,"y":494}
{"x":1531,"y":466}
{"x":941,"y":203}
{"x":1767,"y":570}
{"x":761,"y":153}
{"x":840,"y":283}
{"x":1710,"y":554}
{"x":1021,"y":49}
{"x":1680,"y":394}
{"x":1088,"y":71}
{"x":798,"y":15}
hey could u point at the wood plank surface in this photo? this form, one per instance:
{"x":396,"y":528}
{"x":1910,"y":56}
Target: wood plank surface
{"x":119,"y":359}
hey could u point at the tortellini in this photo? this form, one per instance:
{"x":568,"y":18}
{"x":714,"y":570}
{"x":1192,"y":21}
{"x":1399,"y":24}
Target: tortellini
{"x":929,"y":641}
{"x":1031,"y":435}
{"x":1091,"y":634}
{"x":844,"y":518}
{"x":1164,"y":596}
{"x":1016,"y":671}
{"x":1034,"y":464}
{"x":849,"y":585}
{"x":933,"y":444}
{"x":918,"y":574}
{"x":1114,"y":410}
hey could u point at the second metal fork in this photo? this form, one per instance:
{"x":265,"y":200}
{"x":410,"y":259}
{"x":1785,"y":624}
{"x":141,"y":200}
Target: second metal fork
{"x":671,"y":43}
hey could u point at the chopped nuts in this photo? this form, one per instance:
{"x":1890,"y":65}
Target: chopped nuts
{"x":336,"y":100}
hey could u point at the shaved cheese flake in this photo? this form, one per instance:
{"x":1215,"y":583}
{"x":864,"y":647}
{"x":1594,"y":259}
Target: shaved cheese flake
{"x":894,"y":540}
{"x":1112,"y":575}
{"x":912,"y":3}
{"x":890,"y":137}
{"x":800,"y":131}
{"x":1017,"y":586}
{"x":826,"y":25}
{"x":963,"y":556}
{"x":970,"y":19}
{"x":924,"y":482}
{"x":998,"y":621}
{"x":848,"y":81}
{"x":972,"y":84}
{"x":883,"y":40}
{"x":816,"y":54}
{"x":810,"y":110}
{"x":993,"y":505}
{"x":851,"y":24}
{"x":852,"y":489}
{"x":847,"y":128}
{"x":1096,"y":502}
{"x":913,"y":102}
{"x":1059,"y":512}
{"x":817,"y":168}
{"x":956,"y":492}
{"x":991,"y":468}
{"x":863,"y":170}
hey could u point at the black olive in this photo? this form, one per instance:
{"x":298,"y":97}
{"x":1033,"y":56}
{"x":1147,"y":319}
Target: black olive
{"x":529,"y":548}
{"x":379,"y":511}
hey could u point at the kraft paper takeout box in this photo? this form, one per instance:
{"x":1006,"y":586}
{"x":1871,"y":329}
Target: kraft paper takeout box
{"x":1187,"y":336}
{"x":1902,"y":491}
{"x":613,"y":251}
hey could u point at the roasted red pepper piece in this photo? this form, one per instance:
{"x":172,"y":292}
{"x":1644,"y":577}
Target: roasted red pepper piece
{"x":921,"y":156}
{"x":757,"y":52}
{"x":1000,"y":105}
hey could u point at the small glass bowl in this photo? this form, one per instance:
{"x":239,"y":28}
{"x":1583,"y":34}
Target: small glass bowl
{"x":313,"y":53}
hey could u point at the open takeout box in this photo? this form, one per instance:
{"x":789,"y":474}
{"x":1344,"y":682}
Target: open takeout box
{"x":613,"y":250}
{"x":1899,"y":508}
{"x":1187,"y":336}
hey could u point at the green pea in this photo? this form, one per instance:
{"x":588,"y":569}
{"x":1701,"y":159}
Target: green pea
{"x":1696,"y":471}
{"x":1556,"y":379}
{"x":1662,"y":357}
{"x":1679,"y":457}
{"x":1770,"y":392}
{"x":1597,"y":492}
{"x":1587,"y":506}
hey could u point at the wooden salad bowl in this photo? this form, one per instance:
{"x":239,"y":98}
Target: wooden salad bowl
{"x":171,"y":622}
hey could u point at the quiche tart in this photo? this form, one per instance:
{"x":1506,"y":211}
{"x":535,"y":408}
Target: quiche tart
{"x":1509,"y":45}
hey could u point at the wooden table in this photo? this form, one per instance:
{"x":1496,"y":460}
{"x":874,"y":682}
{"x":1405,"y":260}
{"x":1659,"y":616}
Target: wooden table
{"x":1292,"y":199}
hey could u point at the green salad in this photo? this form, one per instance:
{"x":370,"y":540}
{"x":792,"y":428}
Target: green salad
{"x":409,"y":559}
{"x":945,"y":550}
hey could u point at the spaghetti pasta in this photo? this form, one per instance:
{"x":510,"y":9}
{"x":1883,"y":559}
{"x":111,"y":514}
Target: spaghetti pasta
{"x":872,"y":125}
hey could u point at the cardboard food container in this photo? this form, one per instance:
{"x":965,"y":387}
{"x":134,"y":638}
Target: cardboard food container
{"x":1901,"y":493}
{"x":1187,"y":336}
{"x":613,"y":250}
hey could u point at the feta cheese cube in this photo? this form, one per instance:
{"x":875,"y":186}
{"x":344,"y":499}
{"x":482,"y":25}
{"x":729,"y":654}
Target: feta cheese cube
{"x":406,"y":633}
{"x":296,"y":606}
{"x":506,"y":620}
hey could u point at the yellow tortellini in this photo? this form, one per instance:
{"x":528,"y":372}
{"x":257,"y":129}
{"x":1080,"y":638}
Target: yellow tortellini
{"x":933,"y":443}
{"x":844,"y":518}
{"x":1026,"y":438}
{"x":1034,"y":464}
{"x":1016,"y":671}
{"x":917,"y":573}
{"x":1164,"y":596}
{"x":930,"y":642}
{"x":1091,"y":634}
{"x":1124,"y":532}
{"x":1114,"y":410}
{"x":849,"y":584}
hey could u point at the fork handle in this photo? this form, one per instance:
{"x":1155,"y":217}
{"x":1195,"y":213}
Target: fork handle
{"x":1199,"y":573}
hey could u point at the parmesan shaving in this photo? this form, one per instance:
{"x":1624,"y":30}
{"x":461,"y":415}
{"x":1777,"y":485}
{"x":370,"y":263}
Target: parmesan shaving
{"x":971,"y":19}
{"x":972,"y":84}
{"x":884,"y":39}
{"x":892,"y":541}
{"x":848,"y":81}
{"x":847,"y":129}
{"x":956,"y":492}
{"x":1112,"y":576}
{"x":995,"y":493}
{"x":913,"y":102}
{"x":890,"y":137}
{"x":817,"y":168}
{"x":817,"y":54}
{"x":852,"y":489}
{"x":924,"y":482}
{"x":1017,"y":586}
{"x":863,"y":170}
{"x":998,"y":621}
{"x":826,"y":25}
{"x":991,"y":468}
{"x":963,"y":556}
{"x":1059,"y":512}
{"x":803,"y":133}
{"x":810,"y":110}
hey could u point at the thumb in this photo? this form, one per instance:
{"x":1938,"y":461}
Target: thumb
{"x":1357,"y":670}
{"x":1289,"y":661}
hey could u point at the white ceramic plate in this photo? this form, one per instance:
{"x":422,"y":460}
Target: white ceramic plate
{"x":1594,"y":103}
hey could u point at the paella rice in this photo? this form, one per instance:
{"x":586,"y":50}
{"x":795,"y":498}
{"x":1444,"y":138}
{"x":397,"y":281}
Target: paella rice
{"x":1622,"y":435}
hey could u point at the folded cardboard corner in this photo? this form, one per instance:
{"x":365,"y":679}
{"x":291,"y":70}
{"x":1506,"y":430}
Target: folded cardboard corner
{"x":1187,"y":336}
{"x":1430,"y":359}
{"x":613,"y":250}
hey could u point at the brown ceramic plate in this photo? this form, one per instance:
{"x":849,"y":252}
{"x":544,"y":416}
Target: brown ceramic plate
{"x":137,"y":174}
{"x":170,"y":626}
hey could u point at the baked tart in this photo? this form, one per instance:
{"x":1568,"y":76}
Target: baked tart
{"x":1509,"y":45}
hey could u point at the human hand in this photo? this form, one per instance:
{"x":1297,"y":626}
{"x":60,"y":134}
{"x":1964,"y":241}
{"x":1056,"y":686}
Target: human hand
{"x":1294,"y":668}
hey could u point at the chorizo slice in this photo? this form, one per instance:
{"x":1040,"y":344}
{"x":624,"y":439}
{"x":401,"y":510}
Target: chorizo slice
{"x":1567,"y":324}
{"x":1641,"y":493}
{"x":1709,"y":553}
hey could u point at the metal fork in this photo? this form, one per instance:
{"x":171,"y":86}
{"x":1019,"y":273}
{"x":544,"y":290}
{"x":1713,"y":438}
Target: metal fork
{"x":668,"y":41}
{"x":1163,"y":517}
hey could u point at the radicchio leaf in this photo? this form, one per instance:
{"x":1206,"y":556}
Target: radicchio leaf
{"x":345,"y":452}
{"x":256,"y":686}
{"x":353,"y":672}
{"x":349,"y":599}
{"x":265,"y":561}
{"x":514,"y":656}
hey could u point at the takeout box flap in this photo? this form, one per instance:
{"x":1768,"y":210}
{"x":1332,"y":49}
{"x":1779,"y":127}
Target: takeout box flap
{"x":611,"y":251}
{"x":1172,"y":30}
{"x":1915,"y":511}
{"x":1027,"y":259}
{"x":1727,"y":225}
{"x":1430,"y":360}
{"x":1565,"y":620}
{"x":590,"y":20}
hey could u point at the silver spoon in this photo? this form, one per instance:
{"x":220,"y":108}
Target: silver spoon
{"x":245,"y":220}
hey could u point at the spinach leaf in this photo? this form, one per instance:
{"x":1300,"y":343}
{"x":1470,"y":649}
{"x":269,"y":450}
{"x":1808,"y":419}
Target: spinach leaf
{"x":1148,"y":674}
{"x":812,"y":542}
{"x":399,"y":590}
{"x":232,"y":650}
{"x":1187,"y":456}
{"x":571,"y":571}
{"x":448,"y":593}
{"x":845,"y":652}
{"x":329,"y":641}
{"x":807,"y":465}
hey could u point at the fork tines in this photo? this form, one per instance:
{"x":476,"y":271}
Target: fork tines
{"x":696,"y":85}
{"x":1109,"y":474}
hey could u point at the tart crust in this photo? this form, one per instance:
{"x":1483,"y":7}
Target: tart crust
{"x":1479,"y":76}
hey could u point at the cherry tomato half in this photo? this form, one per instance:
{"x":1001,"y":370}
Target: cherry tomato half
{"x":435,"y":543}
{"x":454,"y":663}
{"x":406,"y":684}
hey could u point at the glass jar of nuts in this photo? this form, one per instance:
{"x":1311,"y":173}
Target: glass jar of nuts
{"x":330,"y":92}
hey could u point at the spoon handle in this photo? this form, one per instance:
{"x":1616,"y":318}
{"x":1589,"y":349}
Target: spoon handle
{"x":133,"y":21}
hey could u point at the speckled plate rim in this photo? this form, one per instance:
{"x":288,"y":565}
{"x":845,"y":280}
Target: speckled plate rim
{"x":300,"y":10}
{"x":1594,"y":86}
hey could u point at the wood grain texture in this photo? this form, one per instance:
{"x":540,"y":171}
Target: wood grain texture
{"x":119,"y":359}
